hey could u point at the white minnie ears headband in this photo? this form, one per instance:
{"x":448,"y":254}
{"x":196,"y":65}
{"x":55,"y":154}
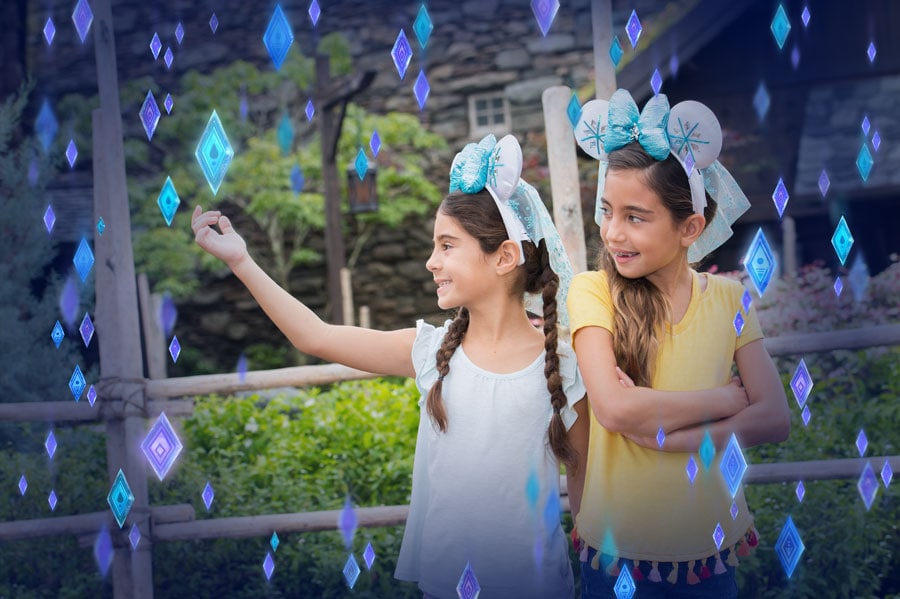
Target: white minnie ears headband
{"x":689,"y":131}
{"x":497,"y":167}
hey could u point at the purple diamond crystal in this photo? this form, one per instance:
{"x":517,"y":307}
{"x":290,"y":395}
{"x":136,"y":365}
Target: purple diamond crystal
{"x":82,"y":17}
{"x":401,"y":53}
{"x":49,"y":218}
{"x":375,"y":143}
{"x":804,"y":16}
{"x":369,"y":555}
{"x":801,"y":491}
{"x":468,"y":587}
{"x":876,"y":140}
{"x":134,"y":536}
{"x":310,"y":110}
{"x":421,"y":89}
{"x":545,"y":12}
{"x":862,"y":443}
{"x":268,"y":566}
{"x":162,"y":446}
{"x":297,"y":182}
{"x":242,"y":368}
{"x":801,"y":383}
{"x":169,"y":56}
{"x":92,"y":395}
{"x":103,"y":551}
{"x":179,"y":32}
{"x":887,"y":475}
{"x":660,"y":437}
{"x":68,"y":301}
{"x":746,"y":301}
{"x":673,"y":65}
{"x":314,"y":12}
{"x":23,"y":485}
{"x":86,"y":329}
{"x":174,"y":349}
{"x":718,"y":535}
{"x":867,"y":485}
{"x":780,"y":196}
{"x":691,"y":469}
{"x":738,"y":323}
{"x":168,"y":314}
{"x":761,"y":101}
{"x":795,"y":57}
{"x":733,"y":465}
{"x":656,"y":82}
{"x":351,"y":571}
{"x":633,"y":28}
{"x":50,"y":444}
{"x":46,"y":125}
{"x":689,"y":163}
{"x":34,"y":171}
{"x":52,"y":500}
{"x":871,"y":51}
{"x":71,"y":153}
{"x":347,"y":522}
{"x":214,"y":23}
{"x":824,"y":183}
{"x":805,"y":415}
{"x":155,"y":46}
{"x":169,"y":103}
{"x":208,"y":495}
{"x":865,"y":125}
{"x":49,"y":31}
{"x":734,"y":510}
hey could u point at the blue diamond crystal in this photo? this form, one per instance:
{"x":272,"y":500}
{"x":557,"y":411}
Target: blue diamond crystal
{"x":243,"y":108}
{"x":824,"y":183}
{"x":718,"y":535}
{"x":369,"y":556}
{"x":545,"y":12}
{"x":86,"y":329}
{"x":149,"y":115}
{"x":169,"y":103}
{"x":52,"y":500}
{"x":92,"y":395}
{"x":864,"y":162}
{"x":862,"y":443}
{"x":169,"y":57}
{"x":208,"y":495}
{"x":859,"y":277}
{"x":867,"y":486}
{"x":780,"y":196}
{"x":760,"y":262}
{"x":871,"y":51}
{"x":801,"y":383}
{"x":805,"y":415}
{"x":49,"y":31}
{"x":168,"y":314}
{"x":804,"y":16}
{"x":468,"y":587}
{"x":101,"y":226}
{"x":214,"y":23}
{"x":50,"y":444}
{"x":168,"y":201}
{"x":361,"y":164}
{"x":161,"y":446}
{"x":297,"y":179}
{"x":625,"y":586}
{"x":242,"y":368}
{"x":274,"y":541}
{"x":77,"y":383}
{"x":691,"y":469}
{"x":134,"y":537}
{"x":738,"y":323}
{"x":789,"y":547}
{"x":876,"y":140}
{"x":23,"y":485}
{"x":214,"y":153}
{"x":734,"y":510}
{"x":423,"y":26}
{"x":285,"y":134}
{"x":660,"y":437}
{"x":351,"y":571}
{"x":733,"y":465}
{"x":82,"y":16}
{"x":552,"y":510}
{"x":401,"y":53}
{"x":103,"y":551}
{"x":573,"y":110}
{"x":633,"y":28}
{"x":174,"y":349}
{"x":268,"y":566}
{"x":57,"y":334}
{"x":865,"y":125}
{"x":421,"y":89}
{"x":179,"y":32}
{"x":46,"y":125}
{"x":780,"y":26}
{"x":801,"y":492}
{"x":120,"y":498}
{"x":314,"y":12}
{"x":746,"y":301}
{"x":616,"y":51}
{"x":310,"y":110}
{"x":84,"y":259}
{"x":34,"y":171}
{"x":761,"y":101}
{"x":673,"y":65}
{"x":71,"y":153}
{"x":155,"y":46}
{"x":375,"y":144}
{"x":842,"y":240}
{"x":838,"y":286}
{"x":656,"y":82}
{"x":707,"y":450}
{"x":347,"y":522}
{"x":887,"y":475}
{"x":278,"y":37}
{"x":49,"y":218}
{"x":795,"y":57}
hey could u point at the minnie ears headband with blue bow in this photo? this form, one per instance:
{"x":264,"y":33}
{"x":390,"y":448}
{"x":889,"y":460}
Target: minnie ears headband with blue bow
{"x":689,"y":131}
{"x":497,"y":167}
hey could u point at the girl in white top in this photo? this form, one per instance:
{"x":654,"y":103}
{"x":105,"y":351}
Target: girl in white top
{"x":502,"y":404}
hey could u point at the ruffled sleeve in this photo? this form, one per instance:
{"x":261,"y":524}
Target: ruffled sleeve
{"x":424,"y":355}
{"x":573,"y":385}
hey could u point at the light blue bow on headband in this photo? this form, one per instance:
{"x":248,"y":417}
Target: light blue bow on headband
{"x":647,"y":128}
{"x":475,"y":166}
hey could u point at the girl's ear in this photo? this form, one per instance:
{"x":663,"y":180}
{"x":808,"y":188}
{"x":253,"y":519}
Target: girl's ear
{"x":507,"y":256}
{"x":691,"y":229}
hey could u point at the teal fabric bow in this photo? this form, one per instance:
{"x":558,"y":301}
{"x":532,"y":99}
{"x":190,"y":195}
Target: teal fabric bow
{"x":474,"y":166}
{"x":648,"y":128}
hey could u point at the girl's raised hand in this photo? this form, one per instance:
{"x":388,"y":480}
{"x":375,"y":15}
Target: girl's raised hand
{"x":227,"y":246}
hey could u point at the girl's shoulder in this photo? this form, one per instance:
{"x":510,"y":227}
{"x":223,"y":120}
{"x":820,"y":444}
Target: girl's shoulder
{"x":722,"y":285}
{"x":589,"y":280}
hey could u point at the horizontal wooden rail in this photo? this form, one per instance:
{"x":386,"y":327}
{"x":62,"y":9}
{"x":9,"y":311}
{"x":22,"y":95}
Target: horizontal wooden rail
{"x":81,"y":524}
{"x":82,"y":411}
{"x":808,"y":343}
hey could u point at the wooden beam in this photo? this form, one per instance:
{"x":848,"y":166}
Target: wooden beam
{"x":815,"y":469}
{"x":70,"y":411}
{"x":604,"y":70}
{"x":154,"y":341}
{"x":87,"y":524}
{"x":787,"y":345}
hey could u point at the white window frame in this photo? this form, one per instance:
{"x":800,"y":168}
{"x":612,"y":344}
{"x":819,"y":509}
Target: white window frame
{"x":476,"y":130}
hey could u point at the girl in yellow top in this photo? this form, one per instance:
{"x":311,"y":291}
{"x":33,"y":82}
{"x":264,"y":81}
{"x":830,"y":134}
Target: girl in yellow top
{"x":655,"y":342}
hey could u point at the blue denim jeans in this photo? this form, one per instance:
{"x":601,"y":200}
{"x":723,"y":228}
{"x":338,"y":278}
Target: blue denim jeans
{"x":597,"y":584}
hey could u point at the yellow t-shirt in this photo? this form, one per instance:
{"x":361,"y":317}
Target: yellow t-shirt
{"x":643,"y":497}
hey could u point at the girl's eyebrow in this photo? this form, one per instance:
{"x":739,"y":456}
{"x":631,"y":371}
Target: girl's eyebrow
{"x":632,"y":208}
{"x":445,"y":237}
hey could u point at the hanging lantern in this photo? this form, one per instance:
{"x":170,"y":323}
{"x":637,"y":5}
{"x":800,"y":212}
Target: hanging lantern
{"x":362,"y":194}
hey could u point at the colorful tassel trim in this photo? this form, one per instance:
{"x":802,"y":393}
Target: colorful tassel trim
{"x":692,"y":577}
{"x":595,"y":563}
{"x":743,"y":549}
{"x":752,"y":537}
{"x":720,"y":567}
{"x":613,"y":568}
{"x":732,"y":560}
{"x":654,"y":575}
{"x":672,"y":578}
{"x":636,"y":573}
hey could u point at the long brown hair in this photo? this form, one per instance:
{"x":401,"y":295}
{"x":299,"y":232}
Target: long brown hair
{"x":479,"y":217}
{"x":641,"y":308}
